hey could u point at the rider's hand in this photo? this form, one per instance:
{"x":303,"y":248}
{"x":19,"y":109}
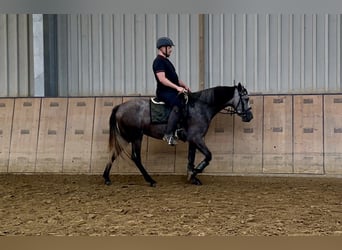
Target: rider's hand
{"x":181,"y":89}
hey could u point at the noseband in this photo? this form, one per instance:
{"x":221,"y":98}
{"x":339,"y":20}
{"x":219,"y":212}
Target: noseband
{"x":233,"y":110}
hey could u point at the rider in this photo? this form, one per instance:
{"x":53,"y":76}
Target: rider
{"x":168,"y":86}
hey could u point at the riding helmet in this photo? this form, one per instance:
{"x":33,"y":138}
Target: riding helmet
{"x":164,"y":41}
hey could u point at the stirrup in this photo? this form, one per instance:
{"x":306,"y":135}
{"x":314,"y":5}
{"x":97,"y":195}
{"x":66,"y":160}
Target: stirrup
{"x":177,"y":133}
{"x":170,"y":140}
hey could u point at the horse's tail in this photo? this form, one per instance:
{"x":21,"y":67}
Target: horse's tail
{"x":114,"y":134}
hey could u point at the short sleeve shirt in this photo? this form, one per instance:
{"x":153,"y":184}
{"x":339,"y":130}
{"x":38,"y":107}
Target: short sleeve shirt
{"x":162,"y":64}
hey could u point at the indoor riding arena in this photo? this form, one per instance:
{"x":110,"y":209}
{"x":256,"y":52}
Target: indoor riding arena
{"x":278,"y":175}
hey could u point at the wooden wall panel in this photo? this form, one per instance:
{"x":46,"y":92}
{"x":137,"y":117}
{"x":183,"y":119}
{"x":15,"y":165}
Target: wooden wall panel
{"x":78,"y":136}
{"x":100,"y":153}
{"x":220,"y":141}
{"x":24,"y":135}
{"x":51,"y":137}
{"x":6,"y":118}
{"x":181,"y":157}
{"x":290,"y":134}
{"x":248,"y":140}
{"x":308,"y":134}
{"x":333,"y":134}
{"x":124,"y":164}
{"x":278,"y":136}
{"x":220,"y":135}
{"x":160,"y":157}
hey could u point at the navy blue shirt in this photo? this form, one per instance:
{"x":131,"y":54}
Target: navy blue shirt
{"x":162,"y":64}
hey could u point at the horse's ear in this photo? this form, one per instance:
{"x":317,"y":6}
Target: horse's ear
{"x":239,"y":86}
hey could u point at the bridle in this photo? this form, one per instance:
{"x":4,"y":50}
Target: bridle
{"x":231,"y":110}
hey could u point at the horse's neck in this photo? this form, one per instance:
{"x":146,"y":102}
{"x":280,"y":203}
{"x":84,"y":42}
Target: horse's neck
{"x":218,"y":97}
{"x":212,"y":100}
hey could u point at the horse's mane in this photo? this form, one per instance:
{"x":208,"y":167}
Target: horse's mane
{"x":218,"y":95}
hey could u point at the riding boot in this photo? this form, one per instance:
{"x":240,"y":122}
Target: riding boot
{"x":171,"y":126}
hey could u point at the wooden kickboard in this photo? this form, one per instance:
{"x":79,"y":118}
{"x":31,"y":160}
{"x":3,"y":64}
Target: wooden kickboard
{"x":181,"y":157}
{"x":220,"y":135}
{"x":278,"y":163}
{"x":221,"y":163}
{"x":308,"y":124}
{"x":160,"y":157}
{"x":24,"y":135}
{"x":333,"y":134}
{"x":278,"y":137}
{"x":248,"y":135}
{"x":332,"y":163}
{"x":6,"y":117}
{"x":51,"y":136}
{"x":309,"y":163}
{"x":248,"y":140}
{"x":247,"y":163}
{"x":308,"y":134}
{"x":78,"y":139}
{"x":220,"y":141}
{"x":277,"y":125}
{"x":100,"y":153}
{"x":124,"y":164}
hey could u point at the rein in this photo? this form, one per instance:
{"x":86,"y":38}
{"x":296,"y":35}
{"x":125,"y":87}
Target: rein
{"x":229,"y":110}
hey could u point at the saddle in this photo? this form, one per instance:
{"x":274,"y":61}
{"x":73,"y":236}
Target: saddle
{"x":159,"y":111}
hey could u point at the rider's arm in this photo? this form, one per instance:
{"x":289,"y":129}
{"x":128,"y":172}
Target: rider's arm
{"x":162,"y":78}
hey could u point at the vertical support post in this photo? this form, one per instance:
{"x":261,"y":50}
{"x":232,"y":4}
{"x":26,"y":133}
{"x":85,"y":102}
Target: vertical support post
{"x":50,"y":55}
{"x":201,"y":46}
{"x":37,"y":67}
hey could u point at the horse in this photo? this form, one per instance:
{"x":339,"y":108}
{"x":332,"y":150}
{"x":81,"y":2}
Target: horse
{"x":131,"y":120}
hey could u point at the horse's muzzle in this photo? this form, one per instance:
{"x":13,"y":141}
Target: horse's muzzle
{"x":247,"y":116}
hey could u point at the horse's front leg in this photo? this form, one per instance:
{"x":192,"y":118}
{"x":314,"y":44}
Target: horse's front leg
{"x":200,"y":145}
{"x":191,"y":160}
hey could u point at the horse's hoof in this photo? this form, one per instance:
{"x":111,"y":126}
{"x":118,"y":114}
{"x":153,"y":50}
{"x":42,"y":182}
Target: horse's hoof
{"x":108,"y":182}
{"x":196,"y":181}
{"x":153,"y":184}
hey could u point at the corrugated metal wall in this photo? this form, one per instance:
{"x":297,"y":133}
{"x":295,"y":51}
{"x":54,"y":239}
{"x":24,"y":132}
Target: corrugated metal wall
{"x":111,"y":54}
{"x":15,"y":50}
{"x":107,"y":54}
{"x":275,"y":53}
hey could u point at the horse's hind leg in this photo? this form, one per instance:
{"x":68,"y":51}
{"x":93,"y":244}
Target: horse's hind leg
{"x":107,"y":170}
{"x":136,"y":157}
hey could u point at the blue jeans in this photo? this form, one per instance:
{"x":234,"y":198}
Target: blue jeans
{"x":176,"y":103}
{"x":171,"y":99}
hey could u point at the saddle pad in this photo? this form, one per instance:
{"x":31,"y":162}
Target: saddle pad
{"x":159,"y":112}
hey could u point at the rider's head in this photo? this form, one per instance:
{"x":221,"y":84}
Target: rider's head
{"x":164,"y":45}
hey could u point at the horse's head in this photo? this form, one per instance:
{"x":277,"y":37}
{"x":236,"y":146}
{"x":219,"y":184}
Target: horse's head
{"x":240,"y":103}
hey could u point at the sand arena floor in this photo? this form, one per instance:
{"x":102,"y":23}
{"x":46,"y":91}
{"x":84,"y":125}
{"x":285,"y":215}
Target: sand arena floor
{"x":83,"y":205}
